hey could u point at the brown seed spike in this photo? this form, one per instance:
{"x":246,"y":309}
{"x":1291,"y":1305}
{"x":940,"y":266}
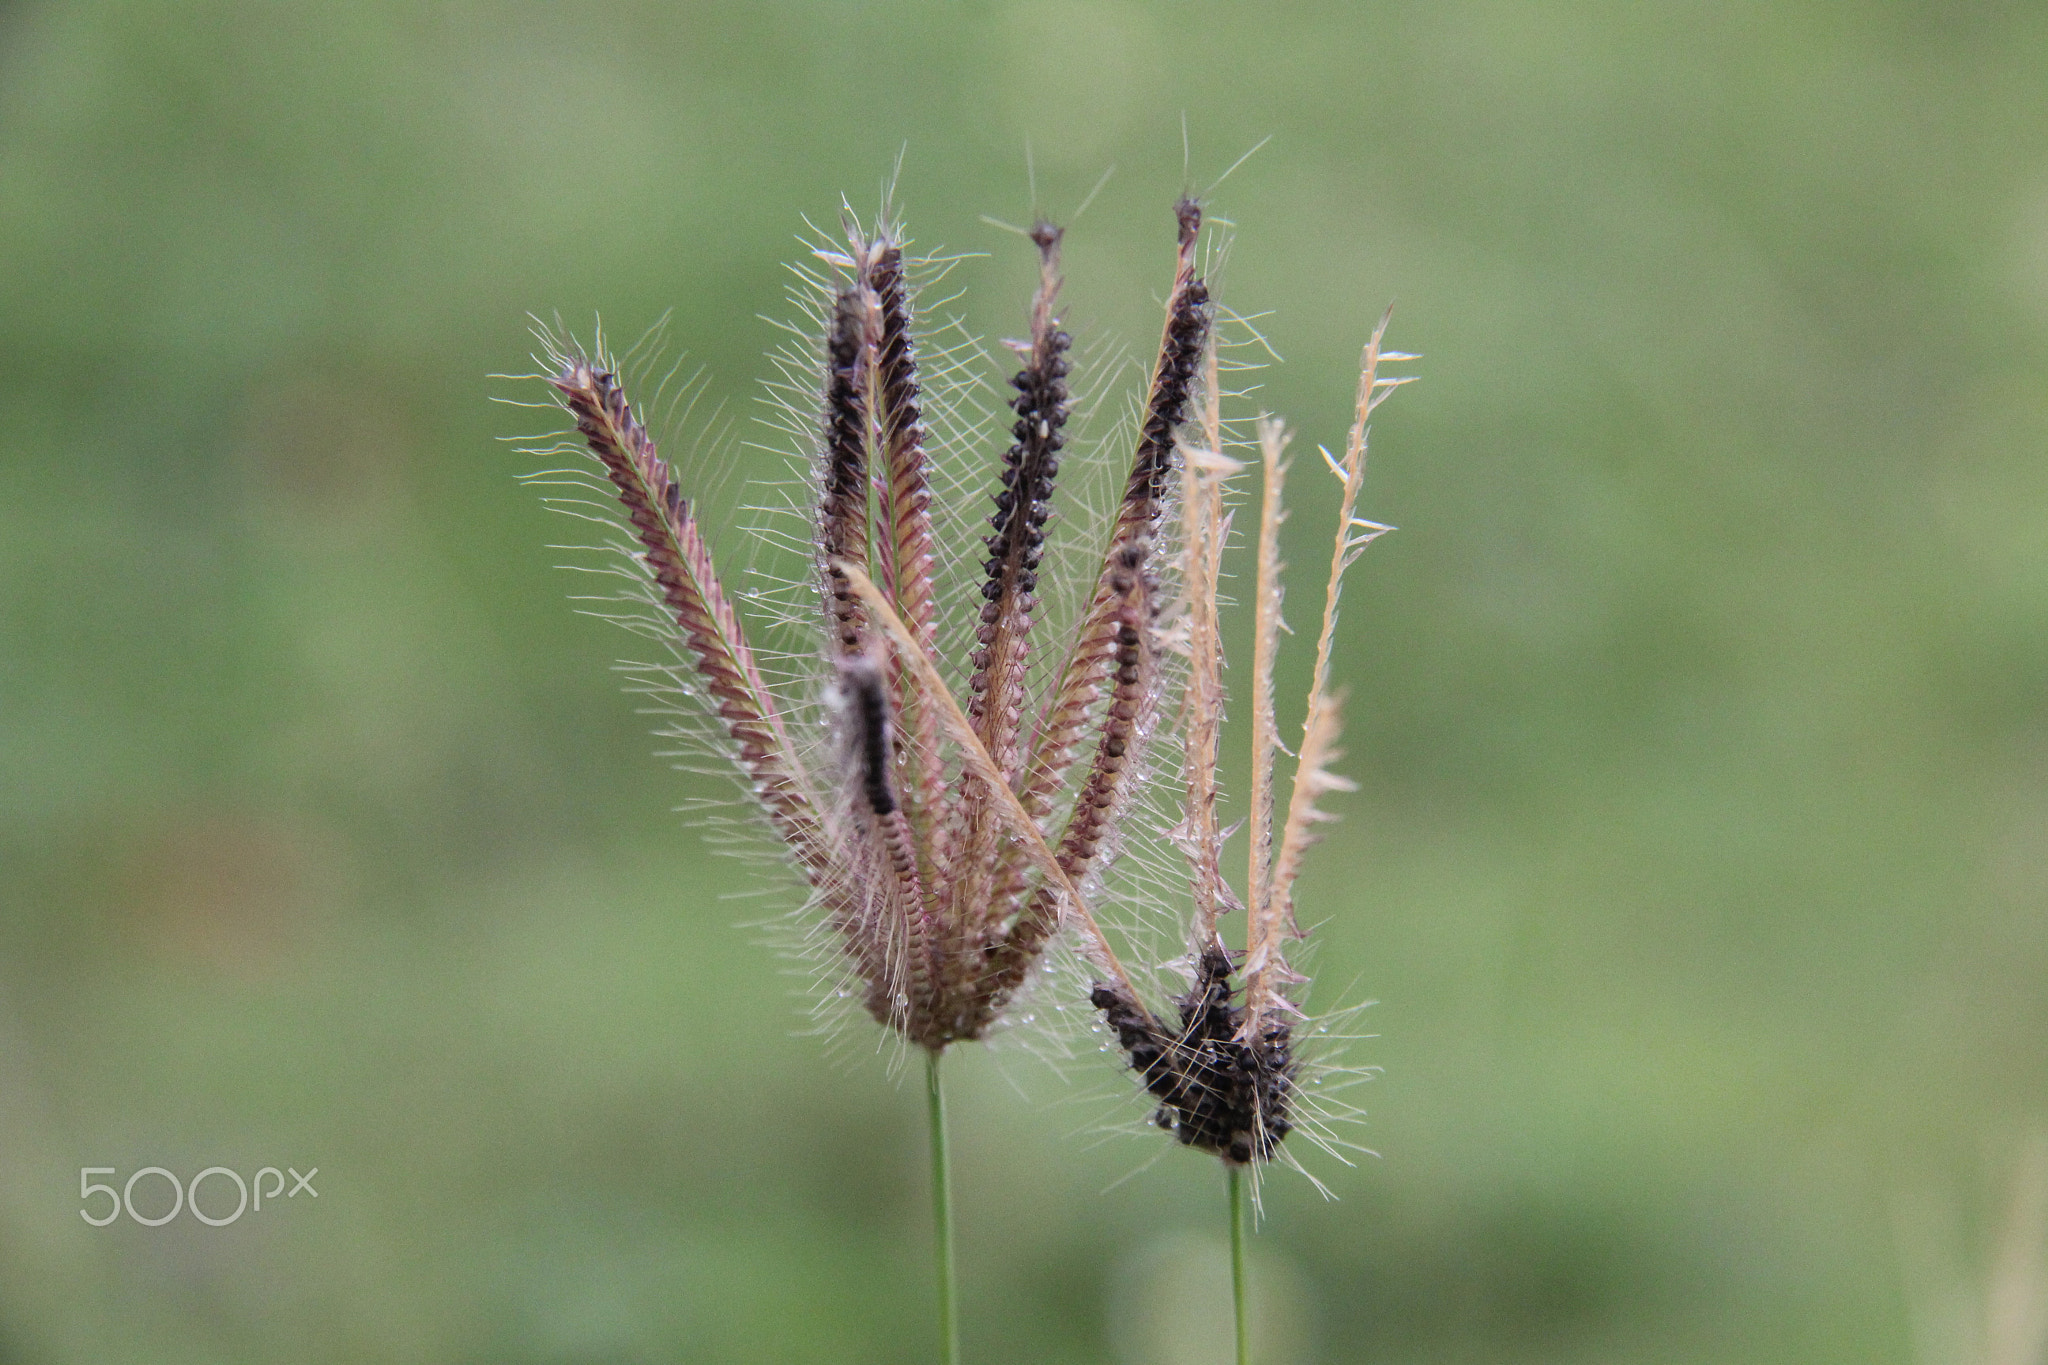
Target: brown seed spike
{"x":899,"y":414}
{"x":1023,"y":502}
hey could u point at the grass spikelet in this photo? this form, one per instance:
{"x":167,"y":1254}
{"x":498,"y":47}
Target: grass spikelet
{"x":1089,"y":658}
{"x":1205,"y":471}
{"x":843,"y":471}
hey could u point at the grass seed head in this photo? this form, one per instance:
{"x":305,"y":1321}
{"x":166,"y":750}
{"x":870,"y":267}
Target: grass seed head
{"x":950,"y":819}
{"x":943,"y":847}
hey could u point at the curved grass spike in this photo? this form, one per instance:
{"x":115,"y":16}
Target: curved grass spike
{"x":895,"y":404}
{"x":681,"y":566}
{"x":1023,"y":502}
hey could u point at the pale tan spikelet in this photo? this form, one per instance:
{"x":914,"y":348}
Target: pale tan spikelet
{"x":1204,"y":472}
{"x":1267,"y":625}
{"x":1273,"y":921}
{"x":1354,"y":532}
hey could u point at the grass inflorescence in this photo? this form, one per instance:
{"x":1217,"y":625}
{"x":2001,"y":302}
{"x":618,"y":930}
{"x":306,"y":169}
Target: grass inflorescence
{"x":949,"y":768}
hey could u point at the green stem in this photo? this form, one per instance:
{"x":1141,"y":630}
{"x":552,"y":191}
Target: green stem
{"x":1244,"y":1327}
{"x":942,"y":1215}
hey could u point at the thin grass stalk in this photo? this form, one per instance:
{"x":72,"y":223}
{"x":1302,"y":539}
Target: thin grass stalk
{"x":1239,"y":1317}
{"x":942,"y":1212}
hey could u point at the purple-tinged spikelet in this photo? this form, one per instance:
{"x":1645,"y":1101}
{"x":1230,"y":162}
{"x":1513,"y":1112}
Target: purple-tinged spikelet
{"x":680,"y":564}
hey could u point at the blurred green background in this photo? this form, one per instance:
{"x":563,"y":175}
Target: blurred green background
{"x":1700,"y":706}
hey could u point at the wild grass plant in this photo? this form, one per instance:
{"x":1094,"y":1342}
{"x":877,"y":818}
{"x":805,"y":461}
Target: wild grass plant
{"x":950,"y":768}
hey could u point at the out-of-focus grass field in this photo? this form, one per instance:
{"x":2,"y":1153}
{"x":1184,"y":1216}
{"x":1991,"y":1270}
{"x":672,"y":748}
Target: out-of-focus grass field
{"x":1700,"y":705}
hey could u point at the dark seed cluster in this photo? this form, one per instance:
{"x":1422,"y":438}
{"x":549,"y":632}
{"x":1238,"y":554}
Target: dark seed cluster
{"x":1023,"y":501}
{"x":902,"y":400}
{"x":867,"y":705}
{"x":843,"y":514}
{"x":1029,"y":467}
{"x":1215,"y":1093}
{"x":1187,"y":332}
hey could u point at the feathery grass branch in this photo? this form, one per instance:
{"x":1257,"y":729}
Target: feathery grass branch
{"x":1204,"y":472}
